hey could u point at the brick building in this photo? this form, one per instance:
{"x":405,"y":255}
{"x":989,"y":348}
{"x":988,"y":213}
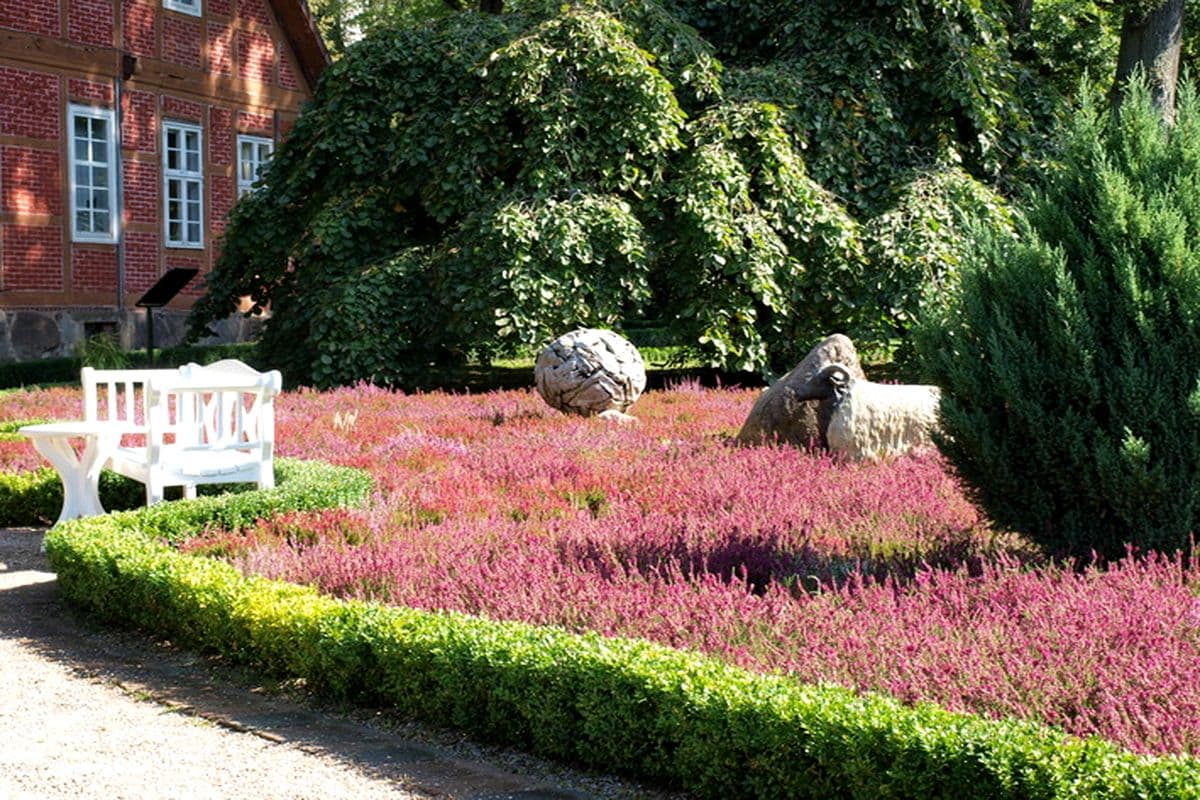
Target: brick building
{"x":127,"y":130}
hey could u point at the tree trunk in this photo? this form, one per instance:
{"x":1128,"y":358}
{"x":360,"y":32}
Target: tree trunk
{"x":1151,"y":43}
{"x":1022,"y":17}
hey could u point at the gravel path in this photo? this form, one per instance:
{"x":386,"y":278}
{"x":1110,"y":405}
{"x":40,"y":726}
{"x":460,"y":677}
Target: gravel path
{"x":98,"y":713}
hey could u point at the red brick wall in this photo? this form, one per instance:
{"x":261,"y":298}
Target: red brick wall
{"x":256,"y":57}
{"x":287,"y":77}
{"x":255,"y":10}
{"x":94,"y":269}
{"x":181,"y":41}
{"x":257,"y":124}
{"x":139,"y":130}
{"x":141,"y":261}
{"x":30,"y":181}
{"x":98,"y":93}
{"x":140,"y":27}
{"x":91,"y":22}
{"x":141,"y":191}
{"x":30,"y":104}
{"x":182,"y":110}
{"x":234,"y":38}
{"x":35,"y":17}
{"x":220,"y":136}
{"x":32,"y":257}
{"x":221,"y":194}
{"x":220,"y":48}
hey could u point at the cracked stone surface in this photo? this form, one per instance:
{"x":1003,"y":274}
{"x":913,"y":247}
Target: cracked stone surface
{"x":589,"y":372}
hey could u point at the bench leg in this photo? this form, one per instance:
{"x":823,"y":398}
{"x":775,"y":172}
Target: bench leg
{"x":154,"y":492}
{"x":189,"y":491}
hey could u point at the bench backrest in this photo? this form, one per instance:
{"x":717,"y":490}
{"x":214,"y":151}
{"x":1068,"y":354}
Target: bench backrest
{"x":223,"y":406}
{"x":119,"y":396}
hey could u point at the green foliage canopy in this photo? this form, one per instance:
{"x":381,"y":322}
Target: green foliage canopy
{"x":483,"y":182}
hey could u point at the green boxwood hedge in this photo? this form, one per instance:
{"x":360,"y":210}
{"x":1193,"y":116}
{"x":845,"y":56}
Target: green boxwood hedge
{"x":35,"y":498}
{"x":615,"y":704}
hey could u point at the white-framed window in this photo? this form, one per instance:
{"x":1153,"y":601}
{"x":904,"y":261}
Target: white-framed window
{"x":183,"y":6}
{"x":183,"y":185}
{"x":93,"y":167}
{"x":253,"y":153}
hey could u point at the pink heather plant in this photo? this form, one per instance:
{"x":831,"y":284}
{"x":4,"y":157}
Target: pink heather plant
{"x":494,"y":504}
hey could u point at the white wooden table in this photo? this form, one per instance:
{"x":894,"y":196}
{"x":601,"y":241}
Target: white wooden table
{"x":80,"y":473}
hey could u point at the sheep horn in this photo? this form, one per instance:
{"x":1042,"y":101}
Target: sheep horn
{"x":818,"y":386}
{"x":834,"y":373}
{"x":838,"y":377}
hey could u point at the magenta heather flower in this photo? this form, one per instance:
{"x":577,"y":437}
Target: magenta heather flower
{"x":878,"y":576}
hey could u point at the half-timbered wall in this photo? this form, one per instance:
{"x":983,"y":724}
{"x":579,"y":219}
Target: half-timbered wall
{"x":228,"y":71}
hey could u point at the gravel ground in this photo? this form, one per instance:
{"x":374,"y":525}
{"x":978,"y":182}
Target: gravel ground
{"x":100,"y":713}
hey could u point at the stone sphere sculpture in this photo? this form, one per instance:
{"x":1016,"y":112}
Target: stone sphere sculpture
{"x":590,"y":372}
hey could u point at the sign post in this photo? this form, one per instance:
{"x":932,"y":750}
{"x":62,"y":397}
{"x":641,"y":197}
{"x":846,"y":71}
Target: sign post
{"x":159,"y":295}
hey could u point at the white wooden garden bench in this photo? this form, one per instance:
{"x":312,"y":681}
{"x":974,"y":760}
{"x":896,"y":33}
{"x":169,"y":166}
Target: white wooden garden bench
{"x":165,"y":427}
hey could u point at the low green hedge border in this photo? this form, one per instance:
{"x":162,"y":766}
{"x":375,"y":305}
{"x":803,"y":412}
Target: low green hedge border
{"x":35,"y":498}
{"x":616,"y":704}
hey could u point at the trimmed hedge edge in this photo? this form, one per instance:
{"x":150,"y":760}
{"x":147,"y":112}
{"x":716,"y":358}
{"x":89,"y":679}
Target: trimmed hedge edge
{"x":618,"y":705}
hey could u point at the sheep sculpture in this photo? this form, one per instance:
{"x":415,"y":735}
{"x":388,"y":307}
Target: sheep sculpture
{"x":875,"y":420}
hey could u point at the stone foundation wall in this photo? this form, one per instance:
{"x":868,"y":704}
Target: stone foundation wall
{"x":32,"y":334}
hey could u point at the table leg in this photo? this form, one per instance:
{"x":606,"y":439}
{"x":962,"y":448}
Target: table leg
{"x":80,"y":475}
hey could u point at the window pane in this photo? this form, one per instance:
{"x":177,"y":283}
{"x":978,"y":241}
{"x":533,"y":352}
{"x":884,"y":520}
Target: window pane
{"x":174,"y":212}
{"x":83,"y":175}
{"x":173,"y":193}
{"x":100,"y":140}
{"x":193,"y":212}
{"x":100,"y":177}
{"x":193,"y":191}
{"x":99,"y":199}
{"x":194,"y":233}
{"x":193,"y":162}
{"x":81,"y":149}
{"x":101,"y":222}
{"x":83,"y":221}
{"x":174,"y":231}
{"x":81,"y":127}
{"x":82,"y":196}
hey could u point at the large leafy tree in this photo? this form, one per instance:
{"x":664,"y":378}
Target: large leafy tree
{"x":481,"y":182}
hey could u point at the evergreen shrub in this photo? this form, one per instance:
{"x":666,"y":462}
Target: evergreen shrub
{"x":1071,"y":352}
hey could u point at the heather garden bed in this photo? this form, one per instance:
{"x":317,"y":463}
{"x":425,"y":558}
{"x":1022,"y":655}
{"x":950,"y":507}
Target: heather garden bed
{"x":765,"y":575}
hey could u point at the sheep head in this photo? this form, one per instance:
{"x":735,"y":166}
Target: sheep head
{"x":837,"y":379}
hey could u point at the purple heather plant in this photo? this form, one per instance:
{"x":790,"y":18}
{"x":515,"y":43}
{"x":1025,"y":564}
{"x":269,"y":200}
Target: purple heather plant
{"x":878,"y":576}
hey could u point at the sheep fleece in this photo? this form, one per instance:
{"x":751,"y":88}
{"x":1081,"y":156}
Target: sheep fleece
{"x":878,"y":419}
